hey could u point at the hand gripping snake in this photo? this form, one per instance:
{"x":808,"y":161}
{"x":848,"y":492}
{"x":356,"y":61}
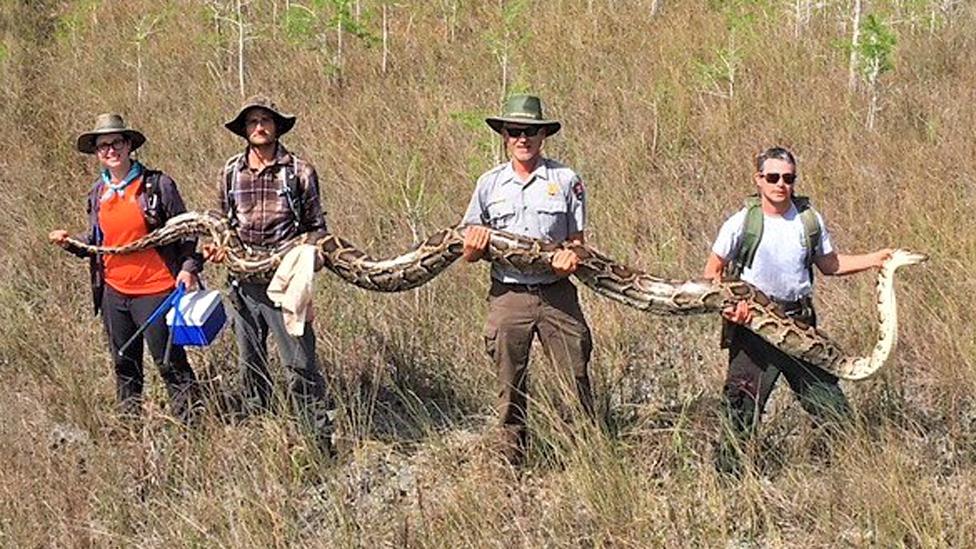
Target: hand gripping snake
{"x":600,"y":273}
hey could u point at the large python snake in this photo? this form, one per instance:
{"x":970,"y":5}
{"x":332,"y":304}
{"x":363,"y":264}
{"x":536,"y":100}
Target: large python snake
{"x":600,"y":273}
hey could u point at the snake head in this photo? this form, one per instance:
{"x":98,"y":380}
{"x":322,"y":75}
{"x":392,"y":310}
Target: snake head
{"x":902,"y":257}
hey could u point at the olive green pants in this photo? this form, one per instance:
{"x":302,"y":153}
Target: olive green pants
{"x":517,"y":314}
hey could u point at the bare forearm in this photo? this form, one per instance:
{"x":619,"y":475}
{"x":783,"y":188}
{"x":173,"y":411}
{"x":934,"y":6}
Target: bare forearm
{"x":841,"y":264}
{"x":714,"y":267}
{"x":850,"y":264}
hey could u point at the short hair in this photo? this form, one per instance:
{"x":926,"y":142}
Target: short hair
{"x":779,"y":153}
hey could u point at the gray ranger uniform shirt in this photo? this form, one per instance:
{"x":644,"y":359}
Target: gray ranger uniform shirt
{"x":550,"y":206}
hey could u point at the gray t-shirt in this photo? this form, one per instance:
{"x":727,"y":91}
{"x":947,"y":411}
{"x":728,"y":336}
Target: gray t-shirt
{"x":779,"y":267}
{"x":550,"y":205}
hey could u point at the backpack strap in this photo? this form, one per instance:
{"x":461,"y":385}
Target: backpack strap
{"x":230,"y":182}
{"x":291,"y":191}
{"x":811,"y":228}
{"x":753,"y":230}
{"x":153,"y":209}
{"x":93,"y":207}
{"x":751,"y":235}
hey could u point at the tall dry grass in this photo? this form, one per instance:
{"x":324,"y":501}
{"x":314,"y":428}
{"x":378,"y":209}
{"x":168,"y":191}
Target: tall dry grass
{"x":398,"y":153}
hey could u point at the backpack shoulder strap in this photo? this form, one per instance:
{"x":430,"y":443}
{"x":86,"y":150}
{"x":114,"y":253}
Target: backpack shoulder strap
{"x":92,"y":207}
{"x":230,"y":181}
{"x":153,"y":209}
{"x":811,"y":227}
{"x":292,"y":190}
{"x":751,"y":235}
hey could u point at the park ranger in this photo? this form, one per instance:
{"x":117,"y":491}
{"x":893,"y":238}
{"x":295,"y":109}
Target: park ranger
{"x":537,"y":197}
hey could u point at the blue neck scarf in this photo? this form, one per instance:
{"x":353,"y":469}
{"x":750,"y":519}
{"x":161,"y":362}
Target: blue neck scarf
{"x":112,"y":189}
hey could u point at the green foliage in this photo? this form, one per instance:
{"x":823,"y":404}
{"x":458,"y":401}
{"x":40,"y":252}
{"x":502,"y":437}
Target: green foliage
{"x":876,"y":48}
{"x":512,"y":33}
{"x":304,"y":24}
{"x":72,"y":22}
{"x":343,"y":15}
{"x":742,"y":16}
{"x":474,"y":122}
{"x":470,"y":120}
{"x":717,"y":76}
{"x":299,"y":24}
{"x":4,"y":53}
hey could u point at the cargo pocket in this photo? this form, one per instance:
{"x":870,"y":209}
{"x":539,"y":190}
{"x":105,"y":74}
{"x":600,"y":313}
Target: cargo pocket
{"x":500,"y":214}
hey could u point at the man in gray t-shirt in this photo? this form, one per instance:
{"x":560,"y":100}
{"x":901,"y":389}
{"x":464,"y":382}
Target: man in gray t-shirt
{"x":782,"y":268}
{"x":532,"y":196}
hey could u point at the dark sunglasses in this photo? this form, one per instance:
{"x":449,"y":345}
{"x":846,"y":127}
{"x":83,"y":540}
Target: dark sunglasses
{"x":117,"y":145}
{"x":773,"y":178}
{"x":515,"y":133}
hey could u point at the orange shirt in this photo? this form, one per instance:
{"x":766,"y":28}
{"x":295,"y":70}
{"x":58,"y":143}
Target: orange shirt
{"x":139,"y":273}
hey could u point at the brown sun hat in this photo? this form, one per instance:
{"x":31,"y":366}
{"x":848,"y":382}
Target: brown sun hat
{"x":283,"y":121}
{"x":526,"y":110}
{"x":105,"y":124}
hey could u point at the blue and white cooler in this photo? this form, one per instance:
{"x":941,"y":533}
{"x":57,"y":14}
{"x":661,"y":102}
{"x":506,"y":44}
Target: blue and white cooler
{"x":197,"y":318}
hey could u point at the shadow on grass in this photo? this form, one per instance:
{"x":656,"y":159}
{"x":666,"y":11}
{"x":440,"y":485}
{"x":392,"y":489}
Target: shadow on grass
{"x":401,"y":392}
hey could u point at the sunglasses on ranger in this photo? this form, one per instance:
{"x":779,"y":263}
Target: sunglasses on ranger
{"x":773,"y":178}
{"x":515,"y":133}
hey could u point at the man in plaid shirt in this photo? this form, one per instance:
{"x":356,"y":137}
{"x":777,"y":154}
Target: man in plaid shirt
{"x":270,"y":195}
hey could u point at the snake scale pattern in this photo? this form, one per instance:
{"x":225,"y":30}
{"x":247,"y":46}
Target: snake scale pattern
{"x":600,"y":273}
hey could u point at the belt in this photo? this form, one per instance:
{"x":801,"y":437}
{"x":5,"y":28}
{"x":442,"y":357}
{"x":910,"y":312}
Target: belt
{"x":525,"y":288}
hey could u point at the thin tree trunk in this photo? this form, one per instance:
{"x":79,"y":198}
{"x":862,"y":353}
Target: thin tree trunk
{"x":386,"y":39}
{"x":240,"y":48}
{"x":504,"y":64}
{"x":339,"y":42}
{"x":855,"y":42}
{"x":139,"y":72}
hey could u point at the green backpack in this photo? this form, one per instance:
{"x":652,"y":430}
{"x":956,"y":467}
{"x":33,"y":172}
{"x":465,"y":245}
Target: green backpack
{"x":753,"y":229}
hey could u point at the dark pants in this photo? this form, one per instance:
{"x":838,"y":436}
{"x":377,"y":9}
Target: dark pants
{"x":515,"y":315}
{"x":257,"y":316}
{"x":754,"y":368}
{"x":122,"y":315}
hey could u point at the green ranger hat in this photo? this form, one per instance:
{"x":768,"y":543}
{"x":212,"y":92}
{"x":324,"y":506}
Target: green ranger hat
{"x":105,"y":124}
{"x":526,"y":110}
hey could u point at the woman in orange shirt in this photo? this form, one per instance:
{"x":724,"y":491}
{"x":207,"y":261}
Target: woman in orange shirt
{"x":127,"y":202}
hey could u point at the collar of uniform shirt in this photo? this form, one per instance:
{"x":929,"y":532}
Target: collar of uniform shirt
{"x":541,"y":171}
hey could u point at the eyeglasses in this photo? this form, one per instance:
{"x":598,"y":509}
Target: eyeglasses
{"x":773,"y":178}
{"x":515,"y":133}
{"x":117,"y":145}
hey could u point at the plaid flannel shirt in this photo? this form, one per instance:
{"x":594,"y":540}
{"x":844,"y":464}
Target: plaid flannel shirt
{"x":263,"y":215}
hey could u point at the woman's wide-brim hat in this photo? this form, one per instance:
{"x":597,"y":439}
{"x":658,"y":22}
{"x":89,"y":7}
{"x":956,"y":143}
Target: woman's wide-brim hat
{"x":524,"y":110}
{"x":283,"y":122}
{"x":106,"y":124}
